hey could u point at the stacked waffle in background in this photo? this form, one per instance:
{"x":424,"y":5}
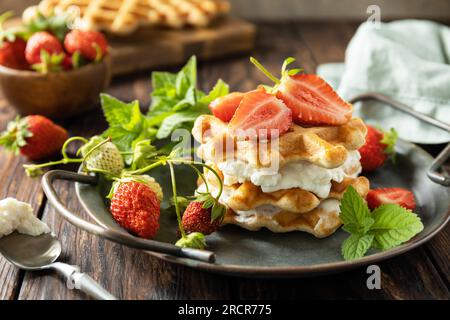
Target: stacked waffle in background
{"x":316,"y":155}
{"x":125,"y":16}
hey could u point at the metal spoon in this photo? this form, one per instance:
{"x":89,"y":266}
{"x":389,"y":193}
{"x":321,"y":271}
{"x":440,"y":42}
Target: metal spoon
{"x":39,"y":253}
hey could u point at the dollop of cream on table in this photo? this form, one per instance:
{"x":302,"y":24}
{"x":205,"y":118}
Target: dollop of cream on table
{"x":17,"y":215}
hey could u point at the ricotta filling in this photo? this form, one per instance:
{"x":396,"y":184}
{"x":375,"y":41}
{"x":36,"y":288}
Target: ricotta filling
{"x":296,"y":174}
{"x":17,"y":215}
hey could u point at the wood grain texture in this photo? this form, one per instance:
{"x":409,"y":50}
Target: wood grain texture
{"x":131,"y":274}
{"x":14,"y":183}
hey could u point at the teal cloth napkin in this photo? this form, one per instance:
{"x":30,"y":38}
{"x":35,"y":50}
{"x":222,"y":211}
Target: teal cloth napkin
{"x":408,"y":60}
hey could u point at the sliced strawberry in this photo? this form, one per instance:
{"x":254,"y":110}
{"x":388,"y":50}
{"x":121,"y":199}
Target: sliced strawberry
{"x":402,"y":197}
{"x":313,"y":101}
{"x":257,"y":111}
{"x":224,"y":107}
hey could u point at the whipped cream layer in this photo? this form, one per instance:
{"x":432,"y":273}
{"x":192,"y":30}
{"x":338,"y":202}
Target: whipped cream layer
{"x":296,"y":174}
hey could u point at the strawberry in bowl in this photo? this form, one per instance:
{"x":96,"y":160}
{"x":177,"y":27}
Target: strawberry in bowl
{"x":62,"y":70}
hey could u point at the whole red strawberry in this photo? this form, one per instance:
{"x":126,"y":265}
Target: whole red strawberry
{"x":12,"y":47}
{"x":42,"y":41}
{"x":36,"y":137}
{"x":402,"y":197}
{"x":135,"y":206}
{"x":378,"y":147}
{"x":198,"y":219}
{"x":91,"y":45}
{"x":67,"y":63}
{"x":12,"y":54}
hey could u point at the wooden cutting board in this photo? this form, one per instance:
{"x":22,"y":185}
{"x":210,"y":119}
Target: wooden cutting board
{"x":149,"y":48}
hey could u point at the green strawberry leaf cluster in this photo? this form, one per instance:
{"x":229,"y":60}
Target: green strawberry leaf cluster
{"x":385,"y":227}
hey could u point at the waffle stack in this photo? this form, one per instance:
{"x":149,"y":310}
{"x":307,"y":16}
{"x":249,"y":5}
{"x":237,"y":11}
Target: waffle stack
{"x":125,"y":16}
{"x":315,"y":165}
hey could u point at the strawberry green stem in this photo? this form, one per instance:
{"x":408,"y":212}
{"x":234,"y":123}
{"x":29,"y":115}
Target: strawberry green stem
{"x":264,"y":70}
{"x":96,"y":147}
{"x":36,"y":167}
{"x":67,"y":142}
{"x":200,"y":175}
{"x":175,"y":200}
{"x":185,"y":161}
{"x":147,"y":168}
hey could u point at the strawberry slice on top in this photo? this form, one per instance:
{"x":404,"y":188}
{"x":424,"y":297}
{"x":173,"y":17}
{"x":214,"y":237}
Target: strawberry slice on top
{"x":224,"y":107}
{"x":311,"y":100}
{"x":258,"y":114}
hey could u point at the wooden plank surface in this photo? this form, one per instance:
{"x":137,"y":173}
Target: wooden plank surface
{"x":14,"y":183}
{"x":131,"y":274}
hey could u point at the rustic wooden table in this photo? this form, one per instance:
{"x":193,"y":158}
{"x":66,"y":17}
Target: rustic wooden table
{"x":423,"y":273}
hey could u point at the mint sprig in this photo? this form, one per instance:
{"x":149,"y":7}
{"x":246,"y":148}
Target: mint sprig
{"x":176,"y":103}
{"x":176,"y":100}
{"x":386,"y":227}
{"x":394,"y":225}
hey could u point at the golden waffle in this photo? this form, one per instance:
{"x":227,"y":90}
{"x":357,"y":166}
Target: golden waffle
{"x":246,"y":196}
{"x":320,"y":222}
{"x":125,"y":16}
{"x":324,"y":146}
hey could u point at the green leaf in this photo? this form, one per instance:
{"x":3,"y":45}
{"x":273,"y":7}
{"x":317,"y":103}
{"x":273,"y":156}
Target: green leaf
{"x":118,"y":113}
{"x":354,"y":212}
{"x":195,"y":240}
{"x":187,"y":77}
{"x":394,"y":225}
{"x":390,"y":139}
{"x":356,"y":246}
{"x":56,"y":24}
{"x":174,"y":121}
{"x":286,"y":62}
{"x":176,"y":102}
{"x":220,"y":89}
{"x":218,"y":211}
{"x":127,"y":125}
{"x":144,"y":154}
{"x":163,"y":82}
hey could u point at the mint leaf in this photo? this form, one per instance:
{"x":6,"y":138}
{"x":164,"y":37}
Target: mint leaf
{"x":219,"y":90}
{"x":119,"y":113}
{"x":187,"y":77}
{"x":163,"y":81}
{"x":356,"y":246}
{"x":354,"y":212}
{"x":174,"y":121}
{"x":127,"y":125}
{"x":176,"y":102}
{"x":394,"y":225}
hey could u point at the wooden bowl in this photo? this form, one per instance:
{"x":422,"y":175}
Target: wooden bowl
{"x":56,"y":95}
